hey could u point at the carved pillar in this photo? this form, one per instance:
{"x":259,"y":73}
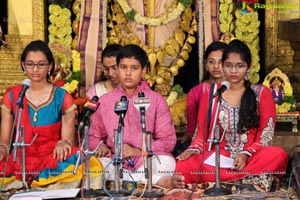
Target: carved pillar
{"x":26,"y":22}
{"x":286,"y":31}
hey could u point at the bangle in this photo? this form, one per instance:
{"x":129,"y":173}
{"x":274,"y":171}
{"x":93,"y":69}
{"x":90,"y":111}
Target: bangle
{"x":5,"y":145}
{"x":68,"y":141}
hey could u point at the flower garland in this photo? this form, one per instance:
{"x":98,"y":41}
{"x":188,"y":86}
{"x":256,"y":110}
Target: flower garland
{"x":245,"y":25}
{"x":176,"y":48}
{"x":225,"y":16}
{"x":132,"y":15}
{"x":247,"y":29}
{"x":288,"y":101}
{"x":75,"y":77}
{"x":60,"y":29}
{"x":67,"y":70}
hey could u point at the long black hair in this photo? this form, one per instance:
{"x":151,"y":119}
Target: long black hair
{"x":248,"y":114}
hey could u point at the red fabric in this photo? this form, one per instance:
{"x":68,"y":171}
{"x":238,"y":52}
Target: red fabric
{"x":194,"y":97}
{"x":270,"y":159}
{"x":40,"y":154}
{"x":264,"y":158}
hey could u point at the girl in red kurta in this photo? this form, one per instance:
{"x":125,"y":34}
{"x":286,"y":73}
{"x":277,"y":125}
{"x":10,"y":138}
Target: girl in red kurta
{"x":246,"y":119}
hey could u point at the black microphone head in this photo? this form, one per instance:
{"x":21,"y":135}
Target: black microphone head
{"x":26,"y":82}
{"x":141,"y":94}
{"x":123,"y":98}
{"x":225,"y":84}
{"x":95,"y":98}
{"x":121,"y":106}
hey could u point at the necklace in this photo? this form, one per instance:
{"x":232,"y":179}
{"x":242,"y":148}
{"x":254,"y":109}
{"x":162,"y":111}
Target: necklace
{"x":37,"y":102}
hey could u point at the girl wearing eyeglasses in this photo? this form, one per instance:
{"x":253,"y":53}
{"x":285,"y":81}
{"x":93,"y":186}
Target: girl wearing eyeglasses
{"x":48,"y":112}
{"x":246,"y":121}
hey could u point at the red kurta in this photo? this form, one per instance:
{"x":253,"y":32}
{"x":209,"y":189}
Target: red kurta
{"x":256,"y":142}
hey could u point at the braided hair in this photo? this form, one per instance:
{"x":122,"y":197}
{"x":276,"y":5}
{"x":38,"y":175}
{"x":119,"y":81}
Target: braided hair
{"x":248,"y":115}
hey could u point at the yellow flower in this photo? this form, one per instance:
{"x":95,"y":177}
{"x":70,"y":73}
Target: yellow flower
{"x":266,"y":83}
{"x":245,"y":18}
{"x":52,"y":29}
{"x":76,"y":60}
{"x":54,"y":9}
{"x":61,"y":32}
{"x":255,"y":68}
{"x":71,"y":87}
{"x":284,"y":107}
{"x":66,"y":13}
{"x":254,"y":78}
{"x":224,"y":7}
{"x":224,"y":28}
{"x":288,"y":90}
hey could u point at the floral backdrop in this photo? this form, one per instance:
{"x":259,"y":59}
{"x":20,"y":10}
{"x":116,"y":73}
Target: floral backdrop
{"x":63,"y":36}
{"x":236,"y":19}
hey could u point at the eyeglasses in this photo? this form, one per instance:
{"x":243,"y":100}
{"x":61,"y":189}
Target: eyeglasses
{"x":214,"y":62}
{"x":31,"y":65}
{"x":238,"y":67}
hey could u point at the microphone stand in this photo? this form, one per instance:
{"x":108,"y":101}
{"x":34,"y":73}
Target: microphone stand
{"x":84,"y":154}
{"x":216,"y":190}
{"x":22,"y":144}
{"x":147,"y":156}
{"x":118,"y":160}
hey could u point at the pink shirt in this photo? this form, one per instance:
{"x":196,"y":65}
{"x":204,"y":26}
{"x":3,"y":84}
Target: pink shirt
{"x":158,"y":122}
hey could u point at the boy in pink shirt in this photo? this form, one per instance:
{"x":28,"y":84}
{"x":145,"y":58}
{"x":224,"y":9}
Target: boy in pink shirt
{"x":132,"y":64}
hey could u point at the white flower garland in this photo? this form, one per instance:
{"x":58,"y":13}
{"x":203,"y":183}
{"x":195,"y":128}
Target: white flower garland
{"x":157,"y":21}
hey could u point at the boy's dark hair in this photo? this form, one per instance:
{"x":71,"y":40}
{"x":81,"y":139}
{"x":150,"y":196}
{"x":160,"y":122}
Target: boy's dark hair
{"x":214,"y":46}
{"x":110,"y":50}
{"x":133,"y":51}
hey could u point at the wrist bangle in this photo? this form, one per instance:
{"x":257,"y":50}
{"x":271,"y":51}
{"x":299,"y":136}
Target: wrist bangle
{"x":68,"y":141}
{"x":65,"y":140}
{"x":5,"y":145}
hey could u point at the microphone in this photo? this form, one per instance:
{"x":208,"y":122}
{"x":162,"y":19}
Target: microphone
{"x":121,"y":106}
{"x":142,"y":103}
{"x":224,"y":86}
{"x":25,"y":85}
{"x":89,"y":107}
